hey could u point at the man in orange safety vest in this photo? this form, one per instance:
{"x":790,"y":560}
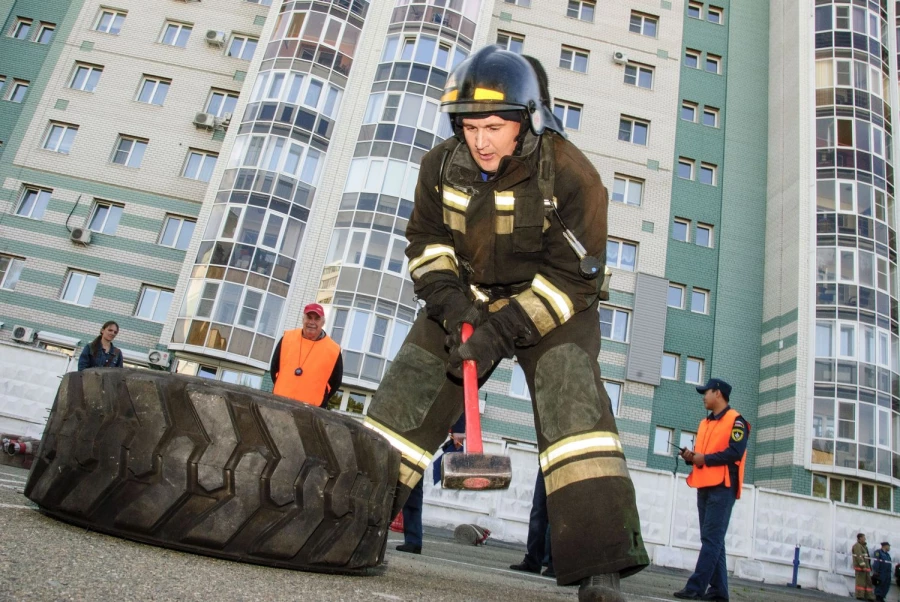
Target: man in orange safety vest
{"x":717,"y":474}
{"x":307,"y":365}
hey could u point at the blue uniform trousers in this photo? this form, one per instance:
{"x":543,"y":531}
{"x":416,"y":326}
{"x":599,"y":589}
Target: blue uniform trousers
{"x":412,"y":516}
{"x":714,"y":506}
{"x":538,"y":542}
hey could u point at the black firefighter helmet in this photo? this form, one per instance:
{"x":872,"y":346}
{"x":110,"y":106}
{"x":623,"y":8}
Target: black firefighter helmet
{"x":496,"y":80}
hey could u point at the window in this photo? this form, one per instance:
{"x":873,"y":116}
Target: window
{"x":676,"y":296}
{"x":643,"y":24}
{"x":714,"y":14}
{"x":21,"y":29}
{"x":518,"y":387}
{"x":712,"y":63}
{"x":45,"y":33}
{"x":681,"y":230}
{"x":176,"y":34}
{"x":627,"y":190}
{"x":2,"y":85}
{"x":129,"y":151}
{"x":33,"y":203}
{"x":511,"y":41}
{"x":573,"y":60}
{"x":689,"y":110}
{"x":18,"y":91}
{"x":621,"y":254}
{"x":614,"y":324}
{"x":699,"y":301}
{"x":692,"y":58}
{"x":693,"y":371}
{"x":662,"y":441}
{"x":704,"y":235}
{"x":177,"y":232}
{"x":261,"y":3}
{"x":10,"y":271}
{"x":686,"y":168}
{"x":85,"y":77}
{"x":242,"y":47}
{"x":639,"y":75}
{"x":105,"y":217}
{"x":614,"y":391}
{"x":695,"y":10}
{"x":568,"y":113}
{"x":154,"y":304}
{"x":200,"y":165}
{"x":711,"y":117}
{"x":686,"y":441}
{"x":60,"y":137}
{"x":581,"y":9}
{"x":633,"y":130}
{"x":669,"y":368}
{"x":707,"y":174}
{"x":79,"y":288}
{"x":110,"y":21}
{"x":221,"y":103}
{"x":153,"y":90}
{"x":525,"y":3}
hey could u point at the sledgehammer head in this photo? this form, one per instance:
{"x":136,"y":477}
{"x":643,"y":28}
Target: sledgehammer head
{"x":476,"y":471}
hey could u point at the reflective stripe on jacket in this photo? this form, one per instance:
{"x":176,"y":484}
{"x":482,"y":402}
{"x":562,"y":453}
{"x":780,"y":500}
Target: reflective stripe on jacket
{"x":316,"y":358}
{"x":713,"y":436}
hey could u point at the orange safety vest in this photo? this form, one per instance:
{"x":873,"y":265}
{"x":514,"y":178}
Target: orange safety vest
{"x":712,"y":437}
{"x":317,"y":358}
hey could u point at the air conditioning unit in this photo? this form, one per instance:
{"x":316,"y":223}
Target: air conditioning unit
{"x":82,"y":235}
{"x":23,"y":334}
{"x":226,"y":119}
{"x":215,"y":38}
{"x":620,"y":57}
{"x":205,"y":120}
{"x":158,"y":358}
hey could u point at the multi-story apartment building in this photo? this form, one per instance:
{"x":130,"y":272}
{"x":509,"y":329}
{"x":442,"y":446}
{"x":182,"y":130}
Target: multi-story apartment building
{"x":746,"y":145}
{"x":112,"y":117}
{"x":829,"y":380}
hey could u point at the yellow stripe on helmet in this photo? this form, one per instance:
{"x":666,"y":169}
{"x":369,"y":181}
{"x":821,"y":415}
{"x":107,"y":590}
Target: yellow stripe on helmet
{"x":486,"y":94}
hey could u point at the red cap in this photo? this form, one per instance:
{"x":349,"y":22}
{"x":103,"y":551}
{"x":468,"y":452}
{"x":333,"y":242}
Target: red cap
{"x":314,"y":308}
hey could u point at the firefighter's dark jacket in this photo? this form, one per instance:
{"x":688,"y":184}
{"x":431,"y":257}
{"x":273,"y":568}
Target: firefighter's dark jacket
{"x":498,"y":235}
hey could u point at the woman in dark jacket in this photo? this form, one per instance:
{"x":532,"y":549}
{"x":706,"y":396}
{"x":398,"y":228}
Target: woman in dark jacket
{"x":101,"y":353}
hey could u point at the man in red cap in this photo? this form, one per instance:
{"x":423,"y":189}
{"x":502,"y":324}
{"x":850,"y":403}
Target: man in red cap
{"x":307,"y":365}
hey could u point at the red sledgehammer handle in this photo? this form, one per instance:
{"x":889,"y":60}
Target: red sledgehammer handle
{"x":470,"y":389}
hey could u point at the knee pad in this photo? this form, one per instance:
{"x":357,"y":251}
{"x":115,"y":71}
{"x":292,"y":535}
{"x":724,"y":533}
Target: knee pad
{"x":409,"y":389}
{"x":565,"y":392}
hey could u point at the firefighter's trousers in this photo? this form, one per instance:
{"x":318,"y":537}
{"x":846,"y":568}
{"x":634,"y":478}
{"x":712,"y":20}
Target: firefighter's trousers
{"x":594,"y":521}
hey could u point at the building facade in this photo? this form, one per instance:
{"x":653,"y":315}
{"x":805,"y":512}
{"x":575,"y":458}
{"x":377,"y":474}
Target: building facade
{"x":111,"y":121}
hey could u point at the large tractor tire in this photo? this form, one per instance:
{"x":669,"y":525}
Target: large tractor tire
{"x":215,"y":469}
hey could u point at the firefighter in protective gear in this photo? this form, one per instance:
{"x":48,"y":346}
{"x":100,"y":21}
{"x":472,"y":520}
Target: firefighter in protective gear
{"x":717,"y":473}
{"x":487,"y":246}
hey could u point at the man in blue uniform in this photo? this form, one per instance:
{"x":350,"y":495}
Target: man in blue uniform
{"x":718,"y":475}
{"x":881,"y":571}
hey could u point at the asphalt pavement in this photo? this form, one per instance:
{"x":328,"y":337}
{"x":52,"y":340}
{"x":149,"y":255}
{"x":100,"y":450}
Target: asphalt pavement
{"x":45,"y":559}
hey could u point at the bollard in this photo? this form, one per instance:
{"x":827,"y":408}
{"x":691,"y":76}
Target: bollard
{"x":793,"y":582}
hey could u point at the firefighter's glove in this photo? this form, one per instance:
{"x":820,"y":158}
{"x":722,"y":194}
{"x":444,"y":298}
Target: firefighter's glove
{"x":474,"y":313}
{"x":491,"y":342}
{"x":448,"y":304}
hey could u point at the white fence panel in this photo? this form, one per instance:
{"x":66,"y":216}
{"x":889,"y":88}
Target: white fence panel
{"x":29,"y":378}
{"x":850,"y":520}
{"x":784,"y":520}
{"x":654,"y":495}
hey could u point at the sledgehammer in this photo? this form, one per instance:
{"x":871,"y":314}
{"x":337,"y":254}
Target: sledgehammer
{"x":473,"y":469}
